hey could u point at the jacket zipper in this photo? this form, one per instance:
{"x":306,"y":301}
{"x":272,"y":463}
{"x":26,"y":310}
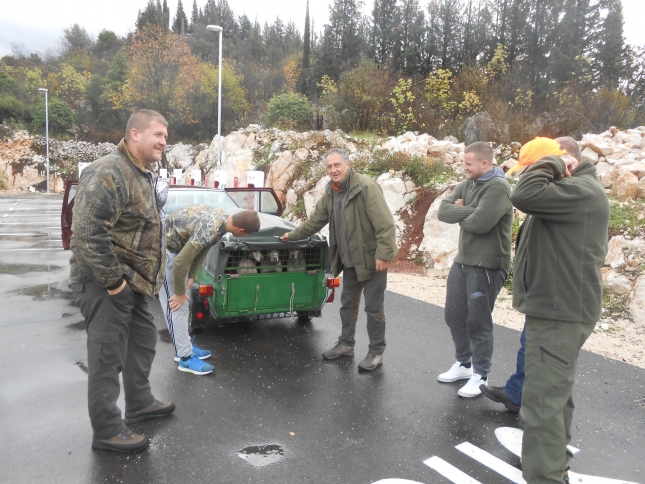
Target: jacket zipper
{"x":543,"y":350}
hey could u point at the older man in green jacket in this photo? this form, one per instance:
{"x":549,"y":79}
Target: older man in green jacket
{"x":362,"y":241}
{"x":558,"y":285}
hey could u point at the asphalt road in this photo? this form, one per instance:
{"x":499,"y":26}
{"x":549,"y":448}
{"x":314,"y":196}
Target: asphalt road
{"x":271,"y":387}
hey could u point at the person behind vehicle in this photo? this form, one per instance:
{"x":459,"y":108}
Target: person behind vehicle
{"x":557,"y":284}
{"x":190,"y":233}
{"x":362,"y":242}
{"x":511,"y":393}
{"x":116,"y":267}
{"x":482,"y":207}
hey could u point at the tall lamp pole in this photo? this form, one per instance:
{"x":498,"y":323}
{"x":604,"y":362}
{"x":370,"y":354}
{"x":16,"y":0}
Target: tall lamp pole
{"x":46,"y":131}
{"x":217,"y":28}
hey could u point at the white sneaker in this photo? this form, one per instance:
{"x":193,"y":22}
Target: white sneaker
{"x":471,"y":389}
{"x":456,"y":372}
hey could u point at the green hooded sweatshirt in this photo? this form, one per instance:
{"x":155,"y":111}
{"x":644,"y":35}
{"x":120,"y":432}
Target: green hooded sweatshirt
{"x":562,"y":245}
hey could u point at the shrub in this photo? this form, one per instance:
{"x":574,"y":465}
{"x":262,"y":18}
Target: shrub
{"x":61,"y":116}
{"x":10,"y":108}
{"x":426,"y":171}
{"x":289,"y":111}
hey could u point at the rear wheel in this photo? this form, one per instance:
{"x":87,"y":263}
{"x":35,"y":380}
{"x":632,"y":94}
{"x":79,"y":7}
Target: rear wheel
{"x":303,"y":316}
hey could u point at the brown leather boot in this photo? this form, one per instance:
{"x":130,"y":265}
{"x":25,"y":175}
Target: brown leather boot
{"x":156,"y":409}
{"x":127,"y":442}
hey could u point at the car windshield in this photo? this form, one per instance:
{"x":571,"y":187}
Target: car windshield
{"x":181,"y":198}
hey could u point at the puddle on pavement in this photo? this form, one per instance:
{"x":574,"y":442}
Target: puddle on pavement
{"x":164,"y":335}
{"x":82,"y":366}
{"x":19,"y":269}
{"x":262,"y":455}
{"x":80,"y":326}
{"x":45,"y":292}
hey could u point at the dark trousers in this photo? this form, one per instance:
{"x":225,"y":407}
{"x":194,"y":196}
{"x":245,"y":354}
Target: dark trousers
{"x":470,"y":299}
{"x":552,"y":349}
{"x":350,"y":300}
{"x":121,"y":338}
{"x":515,"y":383}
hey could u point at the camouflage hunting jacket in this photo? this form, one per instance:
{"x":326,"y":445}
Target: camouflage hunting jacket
{"x":117,"y":230}
{"x":200,"y":225}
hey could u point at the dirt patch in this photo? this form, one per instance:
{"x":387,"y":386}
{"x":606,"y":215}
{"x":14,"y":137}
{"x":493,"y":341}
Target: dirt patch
{"x":414,"y":217}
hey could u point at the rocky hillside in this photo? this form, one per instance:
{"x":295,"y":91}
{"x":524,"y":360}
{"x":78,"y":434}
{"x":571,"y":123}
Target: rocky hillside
{"x":415,"y":172}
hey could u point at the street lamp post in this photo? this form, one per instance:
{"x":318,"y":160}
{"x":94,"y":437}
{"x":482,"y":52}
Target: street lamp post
{"x":217,"y":28}
{"x":46,"y":131}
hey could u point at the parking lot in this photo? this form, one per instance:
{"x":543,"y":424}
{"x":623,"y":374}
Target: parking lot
{"x":274,"y":411}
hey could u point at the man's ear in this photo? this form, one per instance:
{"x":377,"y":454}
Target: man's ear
{"x":134,"y":134}
{"x":240,"y":232}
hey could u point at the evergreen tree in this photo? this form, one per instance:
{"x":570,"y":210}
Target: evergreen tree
{"x":166,"y":16}
{"x":180,"y":23}
{"x":446,"y":28}
{"x":414,"y":49}
{"x":306,"y":49}
{"x":611,"y":56}
{"x":152,"y":15}
{"x":384,"y":32}
{"x":194,"y":17}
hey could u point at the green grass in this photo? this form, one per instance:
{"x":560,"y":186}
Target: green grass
{"x":625,"y":217}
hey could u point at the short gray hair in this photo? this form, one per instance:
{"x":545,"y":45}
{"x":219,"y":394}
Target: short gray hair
{"x":338,"y":151}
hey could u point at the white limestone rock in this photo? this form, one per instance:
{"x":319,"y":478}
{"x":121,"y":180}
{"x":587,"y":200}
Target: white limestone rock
{"x":395,"y":191}
{"x":615,"y":283}
{"x":440,"y":240}
{"x":625,"y":187}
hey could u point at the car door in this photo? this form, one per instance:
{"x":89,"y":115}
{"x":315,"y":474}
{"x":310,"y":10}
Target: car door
{"x":66,"y":214}
{"x":261,"y":199}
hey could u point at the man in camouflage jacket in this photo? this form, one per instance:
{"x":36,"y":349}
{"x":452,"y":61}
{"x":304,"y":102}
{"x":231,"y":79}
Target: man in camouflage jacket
{"x":116,"y":267}
{"x":190,"y":233}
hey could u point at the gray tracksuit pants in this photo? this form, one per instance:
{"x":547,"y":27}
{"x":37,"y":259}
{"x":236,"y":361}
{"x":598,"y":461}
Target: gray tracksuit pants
{"x":177,"y":321}
{"x":121,"y":338}
{"x":470,"y":299}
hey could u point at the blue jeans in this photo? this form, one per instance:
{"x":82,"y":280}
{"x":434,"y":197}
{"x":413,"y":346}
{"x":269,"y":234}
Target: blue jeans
{"x":513,"y":387}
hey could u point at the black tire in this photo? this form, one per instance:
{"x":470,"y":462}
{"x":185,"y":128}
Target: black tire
{"x":303,"y":316}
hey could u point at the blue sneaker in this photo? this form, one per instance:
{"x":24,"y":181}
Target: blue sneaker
{"x":195,"y":366}
{"x":200,"y":353}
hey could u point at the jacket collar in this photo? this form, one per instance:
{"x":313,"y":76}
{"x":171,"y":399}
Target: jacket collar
{"x":128,"y":154}
{"x":354,"y":186}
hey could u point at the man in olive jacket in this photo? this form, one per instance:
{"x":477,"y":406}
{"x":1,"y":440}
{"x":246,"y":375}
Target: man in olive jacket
{"x":362,"y":242}
{"x":481,"y":206}
{"x":558,"y":285}
{"x":116,"y":267}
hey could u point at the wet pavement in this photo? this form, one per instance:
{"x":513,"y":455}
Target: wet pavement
{"x":274,"y":411}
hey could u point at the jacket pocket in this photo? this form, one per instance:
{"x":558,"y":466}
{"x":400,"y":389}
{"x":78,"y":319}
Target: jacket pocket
{"x":370,"y":252}
{"x":544,"y":351}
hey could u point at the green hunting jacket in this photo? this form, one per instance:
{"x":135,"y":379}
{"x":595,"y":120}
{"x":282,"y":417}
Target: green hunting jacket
{"x":372,"y":234}
{"x":562,"y":245}
{"x":117,"y":230}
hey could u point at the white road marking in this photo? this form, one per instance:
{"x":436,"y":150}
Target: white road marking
{"x":6,"y":215}
{"x":511,"y":438}
{"x":449,"y":471}
{"x":41,"y":234}
{"x":492,"y":462}
{"x":396,"y":481}
{"x":11,"y":208}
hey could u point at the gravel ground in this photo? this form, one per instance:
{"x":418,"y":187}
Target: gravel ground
{"x":623,"y":340}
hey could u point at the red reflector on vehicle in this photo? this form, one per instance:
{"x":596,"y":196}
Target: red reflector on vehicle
{"x":200,"y":315}
{"x":333,"y":282}
{"x":206,"y":290}
{"x":331,"y":296}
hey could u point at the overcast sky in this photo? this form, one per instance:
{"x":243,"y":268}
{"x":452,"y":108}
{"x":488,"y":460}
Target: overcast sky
{"x":38,"y":24}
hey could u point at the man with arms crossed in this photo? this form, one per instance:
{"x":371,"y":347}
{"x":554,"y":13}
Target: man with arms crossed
{"x":362,"y":242}
{"x":190,"y":233}
{"x":482,"y":207}
{"x":116,"y":268}
{"x":557,"y":284}
{"x":511,"y":394}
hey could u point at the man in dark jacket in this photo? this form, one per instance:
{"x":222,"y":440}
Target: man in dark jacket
{"x":362,"y":242}
{"x":482,"y":207}
{"x":558,"y":285}
{"x":510,"y":395}
{"x":116,"y":267}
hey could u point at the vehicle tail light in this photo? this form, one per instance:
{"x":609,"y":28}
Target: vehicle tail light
{"x":173,"y":180}
{"x":200,"y":315}
{"x":206,"y":290}
{"x":330,"y":298}
{"x":215,"y":184}
{"x":251,"y":185}
{"x":333,"y":282}
{"x":235,"y":182}
{"x":192,"y":181}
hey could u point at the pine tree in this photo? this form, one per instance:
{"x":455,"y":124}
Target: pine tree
{"x":194,"y":17}
{"x":166,"y":15}
{"x":306,"y":49}
{"x":611,"y":57}
{"x":446,"y":28}
{"x":413,"y":51}
{"x":180,"y":23}
{"x":385,"y":27}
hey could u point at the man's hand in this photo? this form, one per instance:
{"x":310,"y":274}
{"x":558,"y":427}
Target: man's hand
{"x":381,"y":265}
{"x":189,"y":283}
{"x":459,"y":202}
{"x":285,"y":238}
{"x":116,"y":291}
{"x":176,"y":301}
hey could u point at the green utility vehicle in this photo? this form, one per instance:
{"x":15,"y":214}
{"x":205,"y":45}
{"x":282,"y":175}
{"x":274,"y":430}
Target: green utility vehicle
{"x":255,"y":277}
